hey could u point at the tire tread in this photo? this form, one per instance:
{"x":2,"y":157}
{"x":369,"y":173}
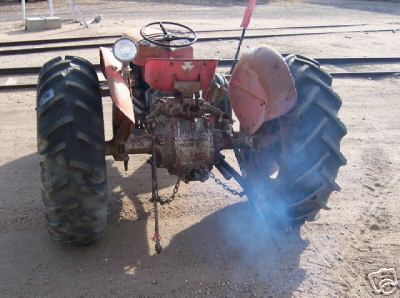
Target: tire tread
{"x":71,"y":145}
{"x":318,"y":147}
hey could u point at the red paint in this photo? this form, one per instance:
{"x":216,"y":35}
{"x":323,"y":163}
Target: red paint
{"x":119,"y":89}
{"x":161,"y":74}
{"x":261,"y":88}
{"x":251,"y":4}
{"x":147,"y":51}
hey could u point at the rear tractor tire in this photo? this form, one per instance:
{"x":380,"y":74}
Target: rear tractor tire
{"x":70,"y":134}
{"x":307,"y":156}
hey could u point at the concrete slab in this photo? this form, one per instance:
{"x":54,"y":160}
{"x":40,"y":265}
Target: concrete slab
{"x":52,"y":22}
{"x":42,"y":23}
{"x":34,"y":24}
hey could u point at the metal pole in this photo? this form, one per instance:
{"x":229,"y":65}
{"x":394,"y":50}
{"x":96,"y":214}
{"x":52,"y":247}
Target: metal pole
{"x":154,"y":196}
{"x":23,"y":10}
{"x":238,"y":49}
{"x":51,"y":8}
{"x":71,"y":6}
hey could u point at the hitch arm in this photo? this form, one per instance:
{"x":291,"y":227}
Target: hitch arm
{"x":228,"y":172}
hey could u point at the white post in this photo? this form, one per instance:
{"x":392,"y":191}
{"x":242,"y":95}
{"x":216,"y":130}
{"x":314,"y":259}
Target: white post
{"x":71,"y":5}
{"x":50,"y":8}
{"x":23,"y":10}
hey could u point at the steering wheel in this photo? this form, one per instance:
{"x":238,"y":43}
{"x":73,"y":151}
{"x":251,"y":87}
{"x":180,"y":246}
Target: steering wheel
{"x":168,"y":34}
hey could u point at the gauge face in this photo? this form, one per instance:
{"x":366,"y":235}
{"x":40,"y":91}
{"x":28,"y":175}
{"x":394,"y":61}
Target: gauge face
{"x":125,"y":50}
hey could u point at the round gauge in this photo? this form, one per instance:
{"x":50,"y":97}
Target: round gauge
{"x":125,"y":50}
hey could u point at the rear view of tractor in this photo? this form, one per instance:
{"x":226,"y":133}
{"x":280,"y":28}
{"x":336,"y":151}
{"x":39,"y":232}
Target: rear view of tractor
{"x":180,"y":112}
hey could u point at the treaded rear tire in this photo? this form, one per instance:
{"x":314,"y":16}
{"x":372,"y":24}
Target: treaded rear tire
{"x":310,"y":143}
{"x":308,"y":155}
{"x":70,"y":134}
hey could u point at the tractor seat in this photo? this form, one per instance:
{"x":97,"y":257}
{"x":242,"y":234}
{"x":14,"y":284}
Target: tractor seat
{"x":183,"y":75}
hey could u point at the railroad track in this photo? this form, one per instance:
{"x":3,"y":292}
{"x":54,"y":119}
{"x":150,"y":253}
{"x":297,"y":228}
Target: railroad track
{"x":105,"y":91}
{"x":227,"y":62}
{"x":87,"y":38}
{"x":15,"y":74}
{"x":327,"y":62}
{"x":34,"y":50}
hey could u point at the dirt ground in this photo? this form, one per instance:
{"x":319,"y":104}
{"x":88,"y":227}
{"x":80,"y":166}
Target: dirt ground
{"x":213,"y":245}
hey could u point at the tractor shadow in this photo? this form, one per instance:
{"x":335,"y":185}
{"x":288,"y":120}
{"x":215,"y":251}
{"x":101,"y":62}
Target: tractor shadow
{"x":230,"y":251}
{"x":231,"y":247}
{"x":125,"y":187}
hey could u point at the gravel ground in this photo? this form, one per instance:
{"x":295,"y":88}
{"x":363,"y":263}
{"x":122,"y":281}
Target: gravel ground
{"x":213,"y":245}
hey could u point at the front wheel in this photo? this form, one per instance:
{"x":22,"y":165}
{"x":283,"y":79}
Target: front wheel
{"x":70,"y":134}
{"x":296,"y":175}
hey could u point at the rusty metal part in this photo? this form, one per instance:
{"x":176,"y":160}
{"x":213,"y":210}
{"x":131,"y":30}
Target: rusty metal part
{"x":212,"y":109}
{"x":122,"y":125}
{"x":123,"y":130}
{"x":261,"y":88}
{"x":187,"y":143}
{"x":187,"y":87}
{"x":226,"y":186}
{"x":137,"y":143}
{"x":119,"y":87}
{"x":186,"y":147}
{"x":164,"y":201}
{"x":223,"y":139}
{"x":226,"y":167}
{"x":185,"y":107}
{"x":265,"y":140}
{"x":185,"y":138}
{"x":154,"y":196}
{"x":112,"y":148}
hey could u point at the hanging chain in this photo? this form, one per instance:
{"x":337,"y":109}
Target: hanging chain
{"x":174,"y":192}
{"x":155,"y":196}
{"x":226,"y":186}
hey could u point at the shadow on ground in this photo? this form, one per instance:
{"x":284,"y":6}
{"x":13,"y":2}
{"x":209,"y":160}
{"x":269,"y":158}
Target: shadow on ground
{"x":229,"y":251}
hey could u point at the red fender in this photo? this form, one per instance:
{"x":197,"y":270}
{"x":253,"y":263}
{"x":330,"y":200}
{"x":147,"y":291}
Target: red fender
{"x":119,"y":88}
{"x":261,"y":88}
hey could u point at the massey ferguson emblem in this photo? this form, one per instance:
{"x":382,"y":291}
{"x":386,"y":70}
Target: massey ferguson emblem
{"x":186,"y":66}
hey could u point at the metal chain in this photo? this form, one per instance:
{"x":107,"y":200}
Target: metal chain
{"x":211,"y":175}
{"x":174,"y":192}
{"x":225,"y":186}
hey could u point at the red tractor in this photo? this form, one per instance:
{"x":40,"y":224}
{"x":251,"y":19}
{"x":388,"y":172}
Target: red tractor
{"x":178,"y":110}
